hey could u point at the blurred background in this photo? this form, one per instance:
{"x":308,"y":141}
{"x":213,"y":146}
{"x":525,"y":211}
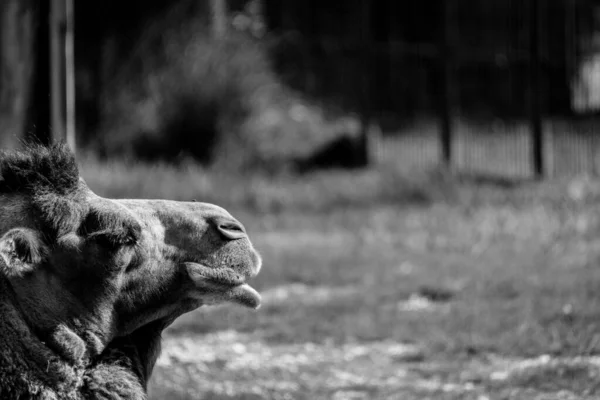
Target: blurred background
{"x":272,"y":86}
{"x":420,"y":177}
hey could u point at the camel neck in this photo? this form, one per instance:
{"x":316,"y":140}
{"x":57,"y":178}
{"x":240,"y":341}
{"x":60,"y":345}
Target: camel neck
{"x":31,"y":369}
{"x":27,"y":363}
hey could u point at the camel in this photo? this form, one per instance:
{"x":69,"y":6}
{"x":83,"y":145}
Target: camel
{"x":87,"y":284}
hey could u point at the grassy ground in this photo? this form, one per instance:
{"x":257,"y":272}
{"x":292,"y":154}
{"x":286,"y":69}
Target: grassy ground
{"x":381,"y":286}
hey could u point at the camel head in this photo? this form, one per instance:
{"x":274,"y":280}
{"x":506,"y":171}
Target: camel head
{"x":85,"y":270}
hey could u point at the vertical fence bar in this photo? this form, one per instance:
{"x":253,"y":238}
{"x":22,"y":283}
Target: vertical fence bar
{"x":550,"y":153}
{"x":34,"y":27}
{"x":535,"y":89}
{"x":57,"y":21}
{"x":70,"y":75}
{"x":365,"y":88}
{"x":62,"y":71}
{"x":594,"y":149}
{"x":448,"y":96}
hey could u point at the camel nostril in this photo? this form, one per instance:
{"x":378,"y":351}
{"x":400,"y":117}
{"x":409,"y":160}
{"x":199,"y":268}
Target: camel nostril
{"x":231,"y":227}
{"x":231,"y":230}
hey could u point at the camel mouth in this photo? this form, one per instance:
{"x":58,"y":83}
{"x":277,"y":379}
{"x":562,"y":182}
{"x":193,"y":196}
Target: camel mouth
{"x":227,"y":283}
{"x":234,"y":289}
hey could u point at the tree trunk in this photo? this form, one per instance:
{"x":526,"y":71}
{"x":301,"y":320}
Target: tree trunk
{"x":18,"y":28}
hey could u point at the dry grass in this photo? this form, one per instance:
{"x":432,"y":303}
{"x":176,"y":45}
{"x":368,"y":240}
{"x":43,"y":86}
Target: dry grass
{"x":353,"y":263}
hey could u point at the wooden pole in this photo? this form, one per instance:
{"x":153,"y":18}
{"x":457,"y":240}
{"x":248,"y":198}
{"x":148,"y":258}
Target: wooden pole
{"x":448,"y":97}
{"x":57,"y":17}
{"x":62,"y":71}
{"x":39,"y":111}
{"x":70,"y":75}
{"x":21,"y":117}
{"x":535,"y":90}
{"x":364,"y":83}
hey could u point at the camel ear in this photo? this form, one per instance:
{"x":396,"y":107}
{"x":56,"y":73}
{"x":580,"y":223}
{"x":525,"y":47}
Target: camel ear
{"x":21,"y":250}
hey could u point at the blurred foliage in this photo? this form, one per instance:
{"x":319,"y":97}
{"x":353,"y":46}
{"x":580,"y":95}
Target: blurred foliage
{"x":290,"y":77}
{"x":180,"y":93}
{"x":200,"y":88}
{"x":490,"y":51}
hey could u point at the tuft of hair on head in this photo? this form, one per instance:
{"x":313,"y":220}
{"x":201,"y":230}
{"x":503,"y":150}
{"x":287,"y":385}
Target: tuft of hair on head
{"x":49,"y":176}
{"x":39,"y":169}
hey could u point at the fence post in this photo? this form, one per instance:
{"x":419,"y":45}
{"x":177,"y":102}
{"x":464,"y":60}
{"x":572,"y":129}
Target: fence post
{"x":535,"y":90}
{"x":446,"y":50}
{"x":62,"y":71}
{"x":57,"y":65}
{"x":23,"y":100}
{"x":69,"y":53}
{"x":364,"y":82}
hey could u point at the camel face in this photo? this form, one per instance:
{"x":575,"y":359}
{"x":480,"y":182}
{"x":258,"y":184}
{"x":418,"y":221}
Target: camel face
{"x":189,"y":254}
{"x":84,"y":270}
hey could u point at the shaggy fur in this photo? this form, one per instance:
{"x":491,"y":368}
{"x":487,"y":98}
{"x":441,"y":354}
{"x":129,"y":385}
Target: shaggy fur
{"x":39,"y":169}
{"x":49,"y":176}
{"x":116,"y":375}
{"x":32,"y":370}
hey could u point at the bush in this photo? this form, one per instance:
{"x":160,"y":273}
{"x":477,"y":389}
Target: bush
{"x":186,"y":95}
{"x":201,"y":88}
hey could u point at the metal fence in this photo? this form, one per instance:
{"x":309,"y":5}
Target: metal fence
{"x":502,"y":87}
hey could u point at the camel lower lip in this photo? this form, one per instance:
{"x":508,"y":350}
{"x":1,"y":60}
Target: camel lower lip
{"x":244,"y":295}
